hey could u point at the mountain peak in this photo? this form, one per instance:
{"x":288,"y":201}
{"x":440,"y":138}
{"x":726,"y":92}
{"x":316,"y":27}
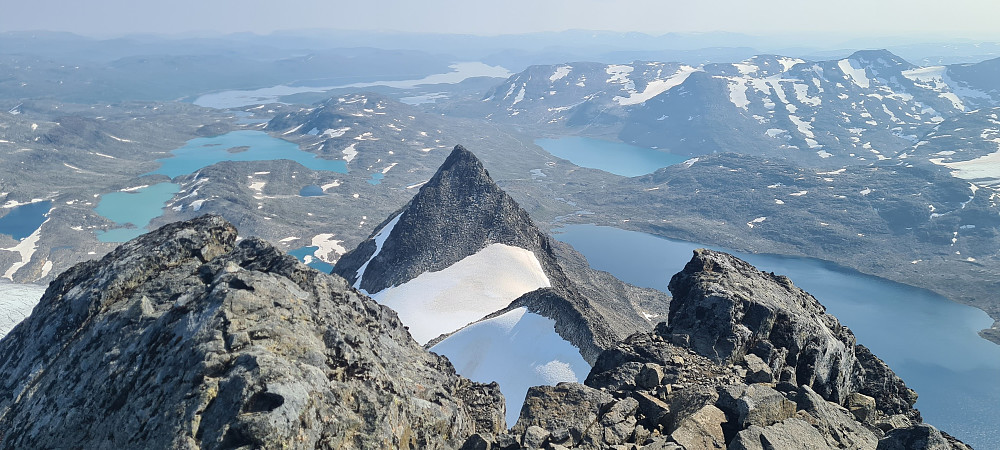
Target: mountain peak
{"x":461,"y":159}
{"x":880,"y":58}
{"x":457,"y":213}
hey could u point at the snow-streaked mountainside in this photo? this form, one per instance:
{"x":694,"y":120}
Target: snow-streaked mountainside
{"x":869,"y":106}
{"x":468,"y":273}
{"x":436,"y":303}
{"x":16,"y":302}
{"x":517,"y":349}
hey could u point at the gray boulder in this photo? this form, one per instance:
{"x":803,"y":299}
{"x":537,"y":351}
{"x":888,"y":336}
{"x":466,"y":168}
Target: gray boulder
{"x":791,"y":434}
{"x":834,"y":422}
{"x":756,"y":404}
{"x":568,"y":410}
{"x":918,"y":437}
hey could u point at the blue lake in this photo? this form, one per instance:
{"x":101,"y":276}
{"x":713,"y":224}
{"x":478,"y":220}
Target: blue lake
{"x":929,"y":341}
{"x":133,"y":210}
{"x":23,"y":220}
{"x":311,"y":190}
{"x":614,"y":157}
{"x":376,"y":178}
{"x":307,"y":256}
{"x":260,"y":146}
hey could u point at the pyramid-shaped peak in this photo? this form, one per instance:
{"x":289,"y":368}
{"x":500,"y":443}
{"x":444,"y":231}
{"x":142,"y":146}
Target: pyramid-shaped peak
{"x":462,"y":164}
{"x":457,"y":213}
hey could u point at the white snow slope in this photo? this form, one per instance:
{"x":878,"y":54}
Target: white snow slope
{"x":518,"y":349}
{"x":16,"y":303}
{"x":435,"y":303}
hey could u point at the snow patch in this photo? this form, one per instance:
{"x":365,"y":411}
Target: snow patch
{"x":330,"y":249}
{"x":440,"y":302}
{"x":787,"y":63}
{"x":656,"y":87}
{"x":517,"y":349}
{"x":802,"y":95}
{"x":26,"y":248}
{"x":560,"y":73}
{"x":335,"y":132}
{"x":756,"y":221}
{"x":738,"y":92}
{"x":350,"y":152}
{"x":855,"y":73}
{"x":380,"y":238}
{"x":16,"y":303}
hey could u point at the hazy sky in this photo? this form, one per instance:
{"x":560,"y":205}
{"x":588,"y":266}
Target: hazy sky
{"x":957,"y":18}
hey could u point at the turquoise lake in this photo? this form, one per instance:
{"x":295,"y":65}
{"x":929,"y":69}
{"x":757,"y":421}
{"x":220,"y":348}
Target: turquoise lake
{"x":203,"y":152}
{"x":614,"y":157}
{"x":136,"y":208}
{"x":929,"y":341}
{"x":308,"y":257}
{"x":23,"y":220}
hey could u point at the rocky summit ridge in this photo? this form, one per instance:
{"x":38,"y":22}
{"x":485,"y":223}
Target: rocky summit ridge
{"x":746,"y":361}
{"x":184,"y":338}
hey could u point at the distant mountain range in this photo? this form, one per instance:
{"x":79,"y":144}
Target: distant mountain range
{"x":869,"y":106}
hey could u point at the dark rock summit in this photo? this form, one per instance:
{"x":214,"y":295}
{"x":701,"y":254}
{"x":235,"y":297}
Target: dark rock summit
{"x":458,"y":212}
{"x":749,"y":361}
{"x":184,"y":338}
{"x":728,"y":309}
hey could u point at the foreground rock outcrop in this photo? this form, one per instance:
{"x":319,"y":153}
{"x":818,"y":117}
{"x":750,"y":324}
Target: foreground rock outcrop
{"x":184,"y":338}
{"x":747,"y":362}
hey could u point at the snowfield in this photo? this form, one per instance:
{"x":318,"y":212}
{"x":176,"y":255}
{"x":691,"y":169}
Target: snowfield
{"x":518,"y":349}
{"x":435,"y":303}
{"x":656,"y":87}
{"x":16,"y":303}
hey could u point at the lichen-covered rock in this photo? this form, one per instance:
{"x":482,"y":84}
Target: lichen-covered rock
{"x":861,"y":406}
{"x":183,"y":338}
{"x":702,"y":429}
{"x":756,"y":404}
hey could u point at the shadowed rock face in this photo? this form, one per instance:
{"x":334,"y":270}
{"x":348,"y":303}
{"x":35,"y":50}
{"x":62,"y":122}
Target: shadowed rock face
{"x":184,"y":338}
{"x":458,"y":212}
